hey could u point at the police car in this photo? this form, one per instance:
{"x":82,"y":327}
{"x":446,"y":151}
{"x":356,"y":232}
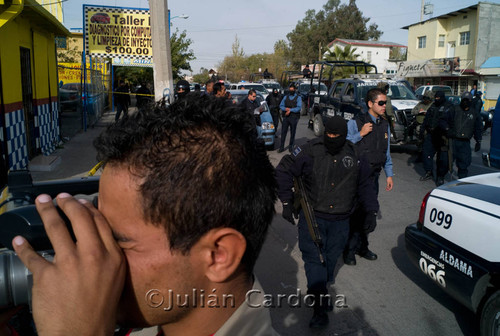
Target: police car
{"x":456,"y":243}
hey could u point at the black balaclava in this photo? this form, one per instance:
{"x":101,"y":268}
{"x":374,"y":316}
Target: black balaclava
{"x":275,"y":92}
{"x":184,"y":84}
{"x":335,"y":125}
{"x":441,"y":100}
{"x":466,"y":101}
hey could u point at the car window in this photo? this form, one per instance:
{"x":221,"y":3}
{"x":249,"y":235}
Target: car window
{"x":400,"y":91}
{"x":420,"y":91}
{"x":445,"y":89}
{"x":350,"y":90}
{"x":338,"y":89}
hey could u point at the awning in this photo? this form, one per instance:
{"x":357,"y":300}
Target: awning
{"x":37,"y":14}
{"x":491,"y":66}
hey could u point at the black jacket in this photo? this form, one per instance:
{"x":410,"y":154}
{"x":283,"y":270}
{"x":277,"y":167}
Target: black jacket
{"x":332,"y":187}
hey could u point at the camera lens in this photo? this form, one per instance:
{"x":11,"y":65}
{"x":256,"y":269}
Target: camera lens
{"x":15,"y":279}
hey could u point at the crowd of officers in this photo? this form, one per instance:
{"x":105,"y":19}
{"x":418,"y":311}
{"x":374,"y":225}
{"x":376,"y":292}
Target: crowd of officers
{"x":447,"y":130}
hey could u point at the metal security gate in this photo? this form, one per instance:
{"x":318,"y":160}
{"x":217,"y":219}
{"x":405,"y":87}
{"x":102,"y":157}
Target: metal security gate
{"x":29,"y":113}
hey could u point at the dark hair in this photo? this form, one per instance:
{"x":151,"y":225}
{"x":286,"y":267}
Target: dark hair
{"x":251,"y":92}
{"x":217,"y":87}
{"x":372,"y":94}
{"x":200,"y":167}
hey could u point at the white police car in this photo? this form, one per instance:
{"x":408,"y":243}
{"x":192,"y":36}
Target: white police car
{"x":456,"y":242}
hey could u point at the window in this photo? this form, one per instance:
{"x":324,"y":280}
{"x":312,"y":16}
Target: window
{"x":369,"y":56}
{"x":338,"y":89}
{"x":465,"y":38}
{"x":441,"y":41}
{"x":422,"y":40}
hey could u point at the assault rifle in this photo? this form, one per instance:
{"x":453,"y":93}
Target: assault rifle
{"x":309,"y":215}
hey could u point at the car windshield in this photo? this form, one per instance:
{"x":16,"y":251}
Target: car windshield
{"x":237,"y":98}
{"x":271,"y":85}
{"x":396,"y":91}
{"x":307,"y":87}
{"x":256,"y":87}
{"x":445,"y":89}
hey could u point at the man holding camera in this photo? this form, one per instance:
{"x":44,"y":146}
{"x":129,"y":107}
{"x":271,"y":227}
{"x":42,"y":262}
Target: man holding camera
{"x":185,"y":200}
{"x":333,"y":179}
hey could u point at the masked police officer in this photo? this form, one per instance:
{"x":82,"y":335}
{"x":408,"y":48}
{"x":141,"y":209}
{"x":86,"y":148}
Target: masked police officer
{"x":333,"y":179}
{"x":371,"y":134}
{"x":290,"y":107}
{"x":436,"y":126}
{"x":466,"y":122}
{"x":182,"y":89}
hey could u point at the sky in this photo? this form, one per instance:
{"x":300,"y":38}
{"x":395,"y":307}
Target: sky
{"x":213,"y":25}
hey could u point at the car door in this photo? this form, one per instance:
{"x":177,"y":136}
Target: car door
{"x":348,"y":107}
{"x":333,"y":106}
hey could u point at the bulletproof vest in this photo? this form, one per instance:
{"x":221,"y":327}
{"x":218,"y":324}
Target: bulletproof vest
{"x":463,"y":126}
{"x":291,"y":103}
{"x":332,"y":186}
{"x":373,"y":146}
{"x":436,"y":113}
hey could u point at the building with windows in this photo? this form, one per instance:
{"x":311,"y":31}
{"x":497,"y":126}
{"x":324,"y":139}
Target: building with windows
{"x":29,"y":116}
{"x":450,"y":49}
{"x":374,"y":52}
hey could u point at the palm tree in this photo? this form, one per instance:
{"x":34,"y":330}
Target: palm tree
{"x":342,"y":54}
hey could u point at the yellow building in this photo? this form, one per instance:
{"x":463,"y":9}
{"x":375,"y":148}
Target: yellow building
{"x":451,"y":48}
{"x":29,"y":119}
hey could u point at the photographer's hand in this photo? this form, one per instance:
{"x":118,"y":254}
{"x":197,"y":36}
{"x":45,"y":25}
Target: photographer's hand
{"x":78,"y":292}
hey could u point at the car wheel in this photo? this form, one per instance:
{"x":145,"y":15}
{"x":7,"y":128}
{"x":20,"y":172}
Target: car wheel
{"x":490,"y":316}
{"x":318,"y":126}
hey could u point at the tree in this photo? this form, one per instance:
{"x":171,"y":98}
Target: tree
{"x":234,"y":67}
{"x":398,"y":54}
{"x":316,"y":30}
{"x":342,"y":54}
{"x":70,"y":54}
{"x":181,"y":54}
{"x":201,"y":77}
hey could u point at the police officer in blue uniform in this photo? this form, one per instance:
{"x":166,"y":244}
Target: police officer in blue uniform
{"x":334,"y":180}
{"x":290,"y":107}
{"x":466,"y":123}
{"x":371,"y":134}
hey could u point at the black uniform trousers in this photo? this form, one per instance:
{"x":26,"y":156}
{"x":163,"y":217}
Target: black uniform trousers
{"x":462,"y":156}
{"x":430,"y":149}
{"x":290,"y":121}
{"x":358,"y":238}
{"x":334,"y":237}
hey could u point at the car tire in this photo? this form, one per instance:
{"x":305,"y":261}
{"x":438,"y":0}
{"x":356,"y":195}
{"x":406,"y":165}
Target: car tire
{"x":318,"y":126}
{"x":490,"y":316}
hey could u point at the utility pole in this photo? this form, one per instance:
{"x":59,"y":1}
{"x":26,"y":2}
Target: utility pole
{"x":422,"y":11}
{"x":162,"y":61}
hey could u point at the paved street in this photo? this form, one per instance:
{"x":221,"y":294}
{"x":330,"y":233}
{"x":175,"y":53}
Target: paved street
{"x":389,"y":296}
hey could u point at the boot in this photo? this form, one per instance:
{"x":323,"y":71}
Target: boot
{"x":320,"y":317}
{"x":427,"y":176}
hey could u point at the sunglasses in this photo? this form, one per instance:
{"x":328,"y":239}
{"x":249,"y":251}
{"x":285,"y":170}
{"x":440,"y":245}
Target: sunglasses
{"x":381,"y":102}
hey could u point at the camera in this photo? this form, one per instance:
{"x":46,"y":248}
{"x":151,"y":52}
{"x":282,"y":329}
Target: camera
{"x":22,"y":218}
